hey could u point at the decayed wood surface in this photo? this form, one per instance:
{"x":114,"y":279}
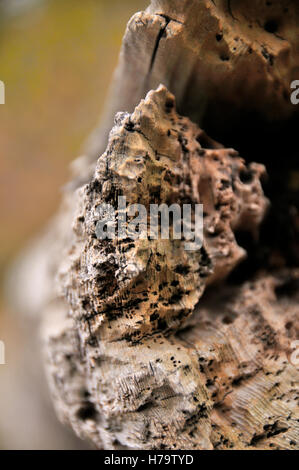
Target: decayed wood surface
{"x":146,"y":346}
{"x":124,"y":368}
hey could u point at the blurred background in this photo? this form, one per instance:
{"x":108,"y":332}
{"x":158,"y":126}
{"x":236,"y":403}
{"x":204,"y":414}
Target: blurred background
{"x":56,"y":60}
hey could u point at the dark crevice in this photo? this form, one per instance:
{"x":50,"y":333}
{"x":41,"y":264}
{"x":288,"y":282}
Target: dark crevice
{"x":167,"y":18}
{"x":270,"y":430}
{"x":159,"y":37}
{"x":271,"y":26}
{"x":145,"y":406}
{"x":288,"y":288}
{"x":229,"y":7}
{"x":274,"y":144}
{"x":87,"y":412}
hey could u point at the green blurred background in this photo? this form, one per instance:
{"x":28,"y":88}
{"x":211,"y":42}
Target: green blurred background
{"x":56,"y":60}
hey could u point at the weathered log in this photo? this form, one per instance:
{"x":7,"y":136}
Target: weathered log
{"x":136,"y":354}
{"x":124,"y":369}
